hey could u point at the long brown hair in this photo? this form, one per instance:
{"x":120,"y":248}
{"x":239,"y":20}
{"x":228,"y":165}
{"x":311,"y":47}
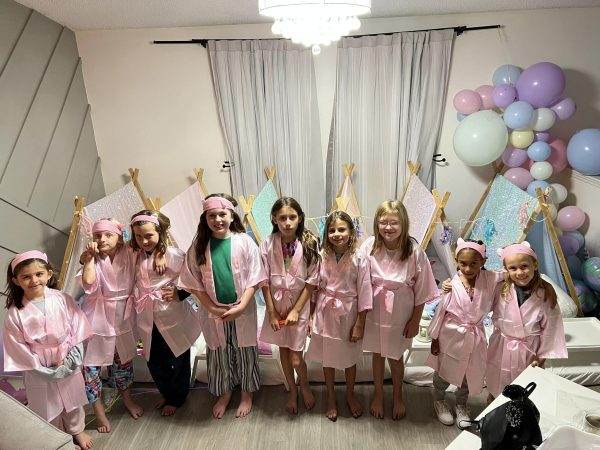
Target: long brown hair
{"x":405,"y":241}
{"x":310,"y":243}
{"x":204,"y":233}
{"x":163,"y":225}
{"x":14,"y":293}
{"x":345,"y":217}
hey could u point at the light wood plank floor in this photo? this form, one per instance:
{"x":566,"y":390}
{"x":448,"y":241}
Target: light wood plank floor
{"x":269,"y":426}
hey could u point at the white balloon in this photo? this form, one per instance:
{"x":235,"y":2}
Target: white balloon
{"x":541,"y":170}
{"x":480,"y":138}
{"x":558,"y":193}
{"x":543,"y":119}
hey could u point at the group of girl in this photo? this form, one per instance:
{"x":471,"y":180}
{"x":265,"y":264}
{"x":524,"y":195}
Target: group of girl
{"x":347,"y":297}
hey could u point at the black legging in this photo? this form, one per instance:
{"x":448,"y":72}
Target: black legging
{"x":171,"y":374}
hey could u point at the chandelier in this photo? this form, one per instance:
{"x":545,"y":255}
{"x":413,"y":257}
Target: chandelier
{"x":313,"y":23}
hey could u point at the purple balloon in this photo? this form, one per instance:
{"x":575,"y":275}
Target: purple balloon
{"x":542,"y":136}
{"x":519,"y":176}
{"x":570,"y":218}
{"x":514,"y":157}
{"x":503,"y":95}
{"x":565,"y":108}
{"x":541,"y":84}
{"x":568,"y":244}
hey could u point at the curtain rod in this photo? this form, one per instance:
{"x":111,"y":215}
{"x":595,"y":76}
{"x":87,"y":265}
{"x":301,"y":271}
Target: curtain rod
{"x":458,"y":30}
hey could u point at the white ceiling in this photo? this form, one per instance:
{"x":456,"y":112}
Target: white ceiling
{"x":102,"y":14}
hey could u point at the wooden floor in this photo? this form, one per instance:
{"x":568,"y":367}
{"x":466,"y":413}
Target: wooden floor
{"x":269,"y":426}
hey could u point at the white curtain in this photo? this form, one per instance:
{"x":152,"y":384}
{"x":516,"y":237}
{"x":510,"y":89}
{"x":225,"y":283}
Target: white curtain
{"x":390,"y":95}
{"x":267,"y":102}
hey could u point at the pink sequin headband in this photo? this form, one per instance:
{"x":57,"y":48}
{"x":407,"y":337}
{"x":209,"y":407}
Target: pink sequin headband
{"x":461,"y":244}
{"x":217,"y":203}
{"x":145,"y":218}
{"x":31,"y":254}
{"x":107,"y":225}
{"x":515,"y":249}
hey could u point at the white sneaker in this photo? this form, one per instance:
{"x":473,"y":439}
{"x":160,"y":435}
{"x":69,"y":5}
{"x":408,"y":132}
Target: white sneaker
{"x":462,"y":413}
{"x":443,"y":412}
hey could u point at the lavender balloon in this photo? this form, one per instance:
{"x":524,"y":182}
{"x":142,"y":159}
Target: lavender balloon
{"x":503,"y":95}
{"x":541,"y":84}
{"x":565,"y":108}
{"x":568,"y":244}
{"x":542,"y":136}
{"x":514,"y":157}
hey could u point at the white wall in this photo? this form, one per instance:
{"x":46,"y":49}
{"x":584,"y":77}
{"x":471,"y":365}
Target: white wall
{"x":153,"y":105}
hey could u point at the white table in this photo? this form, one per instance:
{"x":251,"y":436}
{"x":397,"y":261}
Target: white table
{"x":558,"y":400}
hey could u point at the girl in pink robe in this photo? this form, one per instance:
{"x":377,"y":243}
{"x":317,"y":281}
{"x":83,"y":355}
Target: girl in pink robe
{"x":528,"y":326}
{"x":291,"y":259}
{"x":402,"y":283}
{"x":107,"y":278}
{"x":223,"y":269}
{"x":342,"y":302}
{"x":459,"y":346}
{"x":167,"y":324}
{"x":43,"y":335}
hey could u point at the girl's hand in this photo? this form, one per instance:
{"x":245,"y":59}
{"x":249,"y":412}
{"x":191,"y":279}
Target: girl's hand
{"x":447,"y":285}
{"x":435,"y":347}
{"x":169,"y":293}
{"x":91,"y":250}
{"x":274,"y":319}
{"x":292,"y":317}
{"x":357,"y":332}
{"x":218,"y":310}
{"x":232,"y":313}
{"x":538,"y":362}
{"x":412,"y":328}
{"x":160,"y":263}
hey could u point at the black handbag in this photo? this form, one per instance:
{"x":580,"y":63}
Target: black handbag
{"x":511,"y":426}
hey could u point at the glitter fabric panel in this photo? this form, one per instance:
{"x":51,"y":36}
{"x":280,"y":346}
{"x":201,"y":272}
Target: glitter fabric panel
{"x":500,"y":221}
{"x":420,"y":206}
{"x":184,"y":213}
{"x":261,"y":208}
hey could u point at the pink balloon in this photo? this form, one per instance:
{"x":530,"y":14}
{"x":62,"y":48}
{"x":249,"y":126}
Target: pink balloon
{"x":565,"y":108}
{"x":558,"y":157}
{"x":485,"y":92}
{"x":467,"y":101}
{"x":570,"y":218}
{"x":514,"y":157}
{"x":519,"y":176}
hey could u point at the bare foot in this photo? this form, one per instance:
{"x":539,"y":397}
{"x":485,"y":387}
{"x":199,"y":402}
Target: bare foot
{"x":377,"y":410}
{"x":354,"y":406}
{"x":84,"y":440}
{"x":168,"y":410}
{"x":291,"y":406}
{"x":399,"y":409}
{"x":221,"y":405}
{"x":159,"y":404}
{"x":135,"y":410}
{"x":308,"y":397}
{"x":102,"y":422}
{"x":246,"y":405}
{"x":332,"y":411}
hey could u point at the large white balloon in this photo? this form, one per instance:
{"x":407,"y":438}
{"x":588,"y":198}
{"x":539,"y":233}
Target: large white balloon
{"x":543,"y":119}
{"x":480,"y":138}
{"x":541,"y":170}
{"x":558,"y":193}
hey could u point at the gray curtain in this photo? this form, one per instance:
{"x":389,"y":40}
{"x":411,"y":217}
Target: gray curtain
{"x":267,"y":103}
{"x":390,"y":94}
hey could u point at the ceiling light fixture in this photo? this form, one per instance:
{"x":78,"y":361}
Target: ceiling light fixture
{"x":313,"y":23}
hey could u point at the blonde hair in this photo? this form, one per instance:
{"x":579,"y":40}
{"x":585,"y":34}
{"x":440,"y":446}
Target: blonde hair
{"x":536,"y":282}
{"x":327,"y":247}
{"x":405,"y":242}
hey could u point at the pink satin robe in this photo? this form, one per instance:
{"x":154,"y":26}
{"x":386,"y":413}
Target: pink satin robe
{"x":286,"y":287}
{"x":458,"y":324}
{"x":248,"y":272}
{"x":33,"y":339}
{"x":344,"y":291}
{"x":398,"y":288}
{"x":108,"y":305}
{"x":520,"y":334}
{"x":176,"y":320}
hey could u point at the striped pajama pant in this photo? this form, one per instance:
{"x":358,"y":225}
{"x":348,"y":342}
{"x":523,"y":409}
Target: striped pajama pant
{"x":232,"y":365}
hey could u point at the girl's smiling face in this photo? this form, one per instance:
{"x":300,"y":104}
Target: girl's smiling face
{"x":219,"y":220}
{"x":338,"y":235}
{"x":521,"y":268}
{"x":33,"y":278}
{"x":469,"y":263}
{"x":146,"y":236}
{"x":390,"y":227}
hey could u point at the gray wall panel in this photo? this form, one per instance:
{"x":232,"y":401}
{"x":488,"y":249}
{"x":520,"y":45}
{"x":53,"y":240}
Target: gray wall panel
{"x":35,"y":137}
{"x":97,"y":188}
{"x":13,"y":18}
{"x":21,"y":77}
